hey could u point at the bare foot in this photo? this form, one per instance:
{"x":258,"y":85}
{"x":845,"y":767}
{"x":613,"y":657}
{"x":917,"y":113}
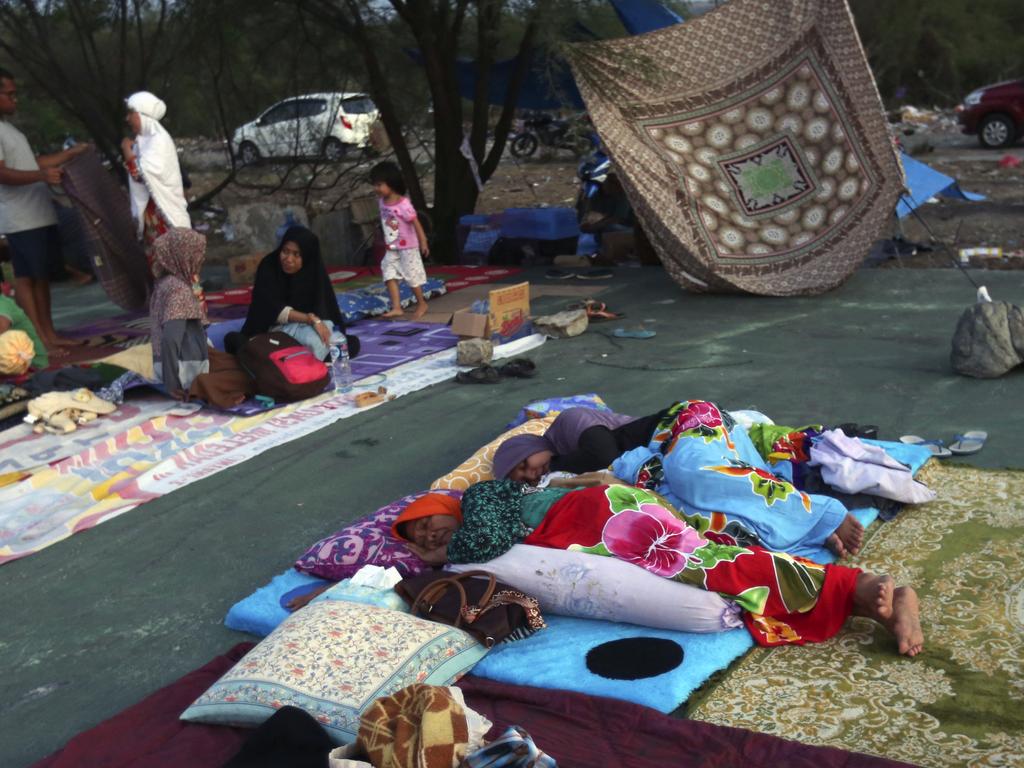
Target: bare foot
{"x":834,"y":543}
{"x":873,"y":597}
{"x":391,"y":315}
{"x":905,"y":623}
{"x":851,"y":534}
{"x":55,"y":351}
{"x":421,"y":310}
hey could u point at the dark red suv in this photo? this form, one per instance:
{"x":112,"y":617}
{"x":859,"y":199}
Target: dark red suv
{"x":995,"y":113}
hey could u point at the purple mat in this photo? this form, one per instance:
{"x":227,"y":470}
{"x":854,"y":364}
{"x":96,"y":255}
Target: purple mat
{"x":385,"y":344}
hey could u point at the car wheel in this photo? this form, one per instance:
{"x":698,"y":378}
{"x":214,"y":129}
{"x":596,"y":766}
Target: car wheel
{"x":996,"y":131}
{"x":334,"y":150}
{"x":248,"y":153}
{"x":524,"y":145}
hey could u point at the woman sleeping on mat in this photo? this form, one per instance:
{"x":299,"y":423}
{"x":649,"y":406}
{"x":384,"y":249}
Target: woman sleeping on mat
{"x":786,"y":599}
{"x":695,"y":456}
{"x":293,"y":294}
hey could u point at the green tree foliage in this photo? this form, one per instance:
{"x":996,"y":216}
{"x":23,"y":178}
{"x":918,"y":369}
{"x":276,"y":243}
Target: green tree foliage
{"x":936,"y":51}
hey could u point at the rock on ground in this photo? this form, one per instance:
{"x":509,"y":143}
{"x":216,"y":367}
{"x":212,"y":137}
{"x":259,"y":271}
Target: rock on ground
{"x":474,"y":352}
{"x":989,"y":340}
{"x":562,"y":325}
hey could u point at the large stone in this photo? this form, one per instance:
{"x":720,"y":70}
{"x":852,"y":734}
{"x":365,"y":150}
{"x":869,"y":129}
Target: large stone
{"x":562,"y":325}
{"x":474,"y":352}
{"x":335,"y":232}
{"x":256,"y":223}
{"x":989,"y":340}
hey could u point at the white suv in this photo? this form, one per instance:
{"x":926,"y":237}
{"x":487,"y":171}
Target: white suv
{"x":314,"y":125}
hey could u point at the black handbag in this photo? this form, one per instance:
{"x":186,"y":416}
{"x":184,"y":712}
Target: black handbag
{"x":474,"y":602}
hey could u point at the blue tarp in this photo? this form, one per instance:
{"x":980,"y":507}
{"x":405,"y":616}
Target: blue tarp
{"x":924,"y":183}
{"x":549,"y":84}
{"x":640,"y":16}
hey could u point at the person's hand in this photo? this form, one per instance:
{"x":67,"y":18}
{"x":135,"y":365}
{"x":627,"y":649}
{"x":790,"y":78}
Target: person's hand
{"x":425,"y":249}
{"x":437,"y":556}
{"x":52,"y":175}
{"x":323,"y":332}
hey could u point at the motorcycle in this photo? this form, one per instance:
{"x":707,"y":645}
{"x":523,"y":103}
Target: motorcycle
{"x":539,"y":129}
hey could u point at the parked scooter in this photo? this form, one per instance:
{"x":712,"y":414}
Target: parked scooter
{"x":592,"y":172}
{"x":539,"y":129}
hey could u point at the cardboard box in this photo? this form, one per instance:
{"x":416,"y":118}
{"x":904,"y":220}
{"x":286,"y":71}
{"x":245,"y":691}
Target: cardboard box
{"x":510,"y":313}
{"x":469,"y":324}
{"x":508,"y":318}
{"x":242,"y":269}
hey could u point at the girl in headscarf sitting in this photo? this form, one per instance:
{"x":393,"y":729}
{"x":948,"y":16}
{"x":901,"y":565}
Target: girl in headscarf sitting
{"x":177,"y":310}
{"x":293,"y":294}
{"x":154,"y":176}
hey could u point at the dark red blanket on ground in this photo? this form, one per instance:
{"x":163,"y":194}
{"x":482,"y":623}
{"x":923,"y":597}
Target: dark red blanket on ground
{"x":586,"y":731}
{"x":577,"y":730}
{"x":150,"y":735}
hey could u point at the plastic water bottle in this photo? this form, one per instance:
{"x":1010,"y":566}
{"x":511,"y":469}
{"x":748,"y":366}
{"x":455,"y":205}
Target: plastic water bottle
{"x":341,"y":367}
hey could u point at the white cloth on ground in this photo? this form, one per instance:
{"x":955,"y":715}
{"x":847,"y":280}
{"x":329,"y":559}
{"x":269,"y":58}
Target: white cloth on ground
{"x":158,"y":165}
{"x":852,"y":466}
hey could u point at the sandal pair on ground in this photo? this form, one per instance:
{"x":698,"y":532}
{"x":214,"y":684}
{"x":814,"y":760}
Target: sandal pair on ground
{"x":519,"y":368}
{"x":597,"y":273}
{"x":962,"y":445}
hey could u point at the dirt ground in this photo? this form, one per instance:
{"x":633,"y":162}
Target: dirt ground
{"x":551,"y":180}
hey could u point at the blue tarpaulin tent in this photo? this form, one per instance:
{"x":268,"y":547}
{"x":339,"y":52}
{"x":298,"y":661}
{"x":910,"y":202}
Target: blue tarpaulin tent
{"x":924,"y":183}
{"x":640,"y":16}
{"x":549,"y":84}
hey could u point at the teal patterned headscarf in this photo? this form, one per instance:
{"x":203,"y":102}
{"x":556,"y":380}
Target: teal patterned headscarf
{"x":491,"y":522}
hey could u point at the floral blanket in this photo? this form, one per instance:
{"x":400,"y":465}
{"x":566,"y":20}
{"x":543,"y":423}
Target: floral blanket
{"x":708,"y":468}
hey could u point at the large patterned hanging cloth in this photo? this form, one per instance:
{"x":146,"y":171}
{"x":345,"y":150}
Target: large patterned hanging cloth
{"x":751,"y":142}
{"x":116,"y":255}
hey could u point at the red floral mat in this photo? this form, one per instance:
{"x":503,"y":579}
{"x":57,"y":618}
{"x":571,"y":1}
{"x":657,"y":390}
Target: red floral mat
{"x":351,"y":278}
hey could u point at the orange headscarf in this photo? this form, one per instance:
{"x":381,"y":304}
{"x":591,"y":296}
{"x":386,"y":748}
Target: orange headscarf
{"x":425,"y":506}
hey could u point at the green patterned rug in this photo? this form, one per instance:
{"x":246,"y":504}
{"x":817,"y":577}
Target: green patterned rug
{"x":959,"y":703}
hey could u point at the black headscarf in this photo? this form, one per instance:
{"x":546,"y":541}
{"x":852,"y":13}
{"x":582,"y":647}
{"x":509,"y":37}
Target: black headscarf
{"x":308,"y":290}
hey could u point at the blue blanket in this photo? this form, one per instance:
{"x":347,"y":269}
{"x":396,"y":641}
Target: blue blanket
{"x":261,"y":612}
{"x":557,"y":658}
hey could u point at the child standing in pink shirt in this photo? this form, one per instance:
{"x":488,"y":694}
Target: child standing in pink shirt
{"x":403,"y":236}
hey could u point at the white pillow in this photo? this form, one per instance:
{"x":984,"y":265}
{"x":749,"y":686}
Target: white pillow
{"x":594,"y":587}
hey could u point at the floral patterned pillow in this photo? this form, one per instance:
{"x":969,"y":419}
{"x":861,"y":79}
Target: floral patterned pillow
{"x":479,"y":467}
{"x":364,"y":542}
{"x":333,"y":659}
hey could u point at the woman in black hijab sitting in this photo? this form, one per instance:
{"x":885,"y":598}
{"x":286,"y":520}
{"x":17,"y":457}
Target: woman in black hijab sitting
{"x":293,"y":294}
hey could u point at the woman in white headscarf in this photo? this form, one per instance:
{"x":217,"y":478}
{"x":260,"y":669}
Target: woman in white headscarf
{"x":154,"y":177}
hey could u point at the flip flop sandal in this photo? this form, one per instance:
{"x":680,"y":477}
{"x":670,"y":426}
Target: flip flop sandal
{"x":937,"y":447}
{"x":602,"y":315}
{"x":596,"y":274}
{"x":559,"y":274}
{"x":485,"y":374}
{"x":639,"y":333}
{"x":519,"y":368}
{"x":968,"y":443}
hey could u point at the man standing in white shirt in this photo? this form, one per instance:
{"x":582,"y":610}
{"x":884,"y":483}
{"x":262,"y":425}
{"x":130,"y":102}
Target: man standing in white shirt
{"x":27,"y":216}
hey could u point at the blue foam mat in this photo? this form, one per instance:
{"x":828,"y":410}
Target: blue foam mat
{"x":261,"y":612}
{"x":556,"y":658}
